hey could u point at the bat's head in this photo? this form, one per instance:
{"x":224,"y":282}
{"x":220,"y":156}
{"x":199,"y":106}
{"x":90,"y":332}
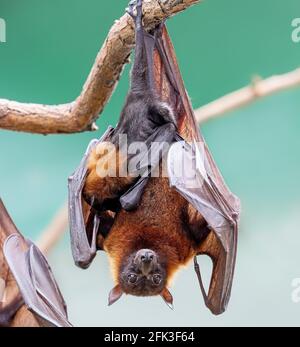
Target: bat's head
{"x":142,"y":274}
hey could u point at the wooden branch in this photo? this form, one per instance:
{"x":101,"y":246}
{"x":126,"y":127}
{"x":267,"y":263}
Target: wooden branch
{"x":81,"y":114}
{"x":242,"y":97}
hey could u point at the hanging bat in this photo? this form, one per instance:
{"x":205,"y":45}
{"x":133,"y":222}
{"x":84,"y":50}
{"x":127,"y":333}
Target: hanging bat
{"x":151,"y":226}
{"x":32,"y":297}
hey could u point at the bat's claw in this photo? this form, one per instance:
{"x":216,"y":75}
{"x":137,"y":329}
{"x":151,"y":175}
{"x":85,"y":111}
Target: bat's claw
{"x":131,"y":9}
{"x":134,"y":9}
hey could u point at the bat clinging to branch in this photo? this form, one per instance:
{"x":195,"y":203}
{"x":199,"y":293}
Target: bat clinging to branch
{"x":151,"y":226}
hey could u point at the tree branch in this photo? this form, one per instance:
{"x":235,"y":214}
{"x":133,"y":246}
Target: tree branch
{"x":81,"y":114}
{"x":242,"y":97}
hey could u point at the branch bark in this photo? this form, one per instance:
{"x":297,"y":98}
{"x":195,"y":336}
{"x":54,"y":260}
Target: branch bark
{"x":242,"y":97}
{"x":81,"y":114}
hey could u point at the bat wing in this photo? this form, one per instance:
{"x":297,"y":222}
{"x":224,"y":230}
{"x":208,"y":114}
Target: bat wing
{"x":201,"y":182}
{"x":36,"y":282}
{"x":165,"y":134}
{"x":10,"y":297}
{"x":83,"y":220}
{"x":199,"y":188}
{"x":28,"y":277}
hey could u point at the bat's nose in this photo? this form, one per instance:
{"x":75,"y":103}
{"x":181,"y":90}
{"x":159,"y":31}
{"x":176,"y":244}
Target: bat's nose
{"x":145,"y":258}
{"x":146,"y":255}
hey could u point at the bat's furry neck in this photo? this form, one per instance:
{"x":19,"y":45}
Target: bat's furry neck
{"x":174,"y":251}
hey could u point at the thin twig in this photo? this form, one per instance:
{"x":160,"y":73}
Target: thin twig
{"x":258,"y":89}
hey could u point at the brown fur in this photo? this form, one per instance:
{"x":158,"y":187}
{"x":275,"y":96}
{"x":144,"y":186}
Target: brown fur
{"x":157,"y":224}
{"x":24,"y":318}
{"x":164,"y":221}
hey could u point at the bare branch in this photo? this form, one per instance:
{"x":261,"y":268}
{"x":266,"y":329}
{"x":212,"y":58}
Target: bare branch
{"x":81,"y":114}
{"x":242,"y":97}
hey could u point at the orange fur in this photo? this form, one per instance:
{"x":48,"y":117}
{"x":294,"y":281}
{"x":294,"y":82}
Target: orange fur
{"x":156,"y":224}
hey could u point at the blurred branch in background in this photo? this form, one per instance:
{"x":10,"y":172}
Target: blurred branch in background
{"x":242,"y":97}
{"x":81,"y":114}
{"x":54,"y":232}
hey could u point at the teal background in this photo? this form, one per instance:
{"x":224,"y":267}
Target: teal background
{"x":221,"y":45}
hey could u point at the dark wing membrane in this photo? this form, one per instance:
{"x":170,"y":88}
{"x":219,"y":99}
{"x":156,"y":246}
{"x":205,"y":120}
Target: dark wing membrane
{"x":29,"y":278}
{"x":36,"y":282}
{"x":164,"y":134}
{"x":10,"y":297}
{"x":84,"y":223}
{"x":210,"y":196}
{"x":170,"y":87}
{"x":81,"y":216}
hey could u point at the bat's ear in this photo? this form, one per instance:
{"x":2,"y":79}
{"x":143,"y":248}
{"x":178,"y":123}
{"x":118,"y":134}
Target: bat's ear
{"x":168,"y":298}
{"x":115,"y":294}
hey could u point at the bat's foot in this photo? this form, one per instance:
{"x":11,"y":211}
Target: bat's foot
{"x":130,"y":9}
{"x":134,"y":9}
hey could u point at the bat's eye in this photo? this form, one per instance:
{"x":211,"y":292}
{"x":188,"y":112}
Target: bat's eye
{"x":156,"y":279}
{"x":132,"y":278}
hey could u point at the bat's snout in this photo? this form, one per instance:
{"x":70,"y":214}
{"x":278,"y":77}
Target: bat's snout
{"x":145,"y":260}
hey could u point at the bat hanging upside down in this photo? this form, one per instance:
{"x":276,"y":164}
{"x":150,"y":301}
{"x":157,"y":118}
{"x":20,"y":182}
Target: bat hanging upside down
{"x":152,"y":226}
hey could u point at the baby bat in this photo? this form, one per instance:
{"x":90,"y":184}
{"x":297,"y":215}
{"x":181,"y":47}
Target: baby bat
{"x":152,"y":226}
{"x":32,"y":297}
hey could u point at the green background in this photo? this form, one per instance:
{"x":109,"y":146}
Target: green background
{"x":221,"y":45}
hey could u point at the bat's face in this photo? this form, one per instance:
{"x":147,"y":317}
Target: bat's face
{"x":143,"y":274}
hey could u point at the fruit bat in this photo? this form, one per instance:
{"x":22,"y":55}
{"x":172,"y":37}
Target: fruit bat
{"x":151,"y":225}
{"x":32,"y":297}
